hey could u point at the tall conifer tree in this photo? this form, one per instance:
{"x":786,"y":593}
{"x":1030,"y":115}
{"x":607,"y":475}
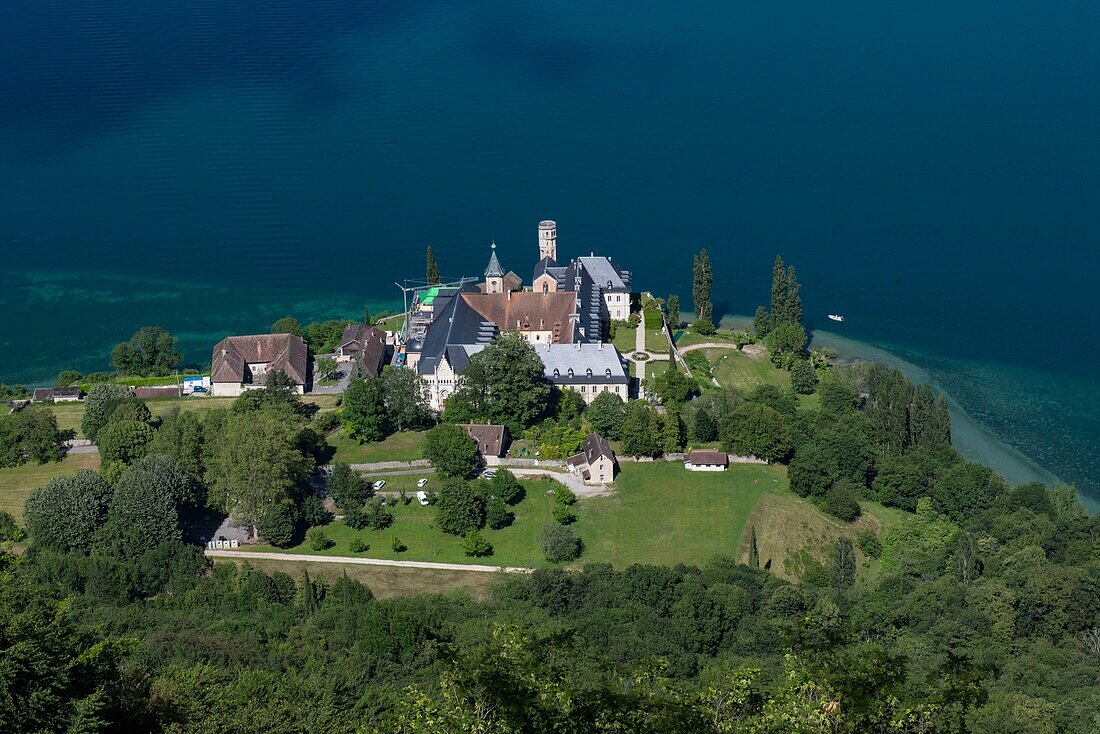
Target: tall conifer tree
{"x":433,"y":269}
{"x":700,"y":291}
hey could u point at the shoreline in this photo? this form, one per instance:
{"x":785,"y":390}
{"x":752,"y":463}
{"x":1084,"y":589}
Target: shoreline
{"x":972,"y":439}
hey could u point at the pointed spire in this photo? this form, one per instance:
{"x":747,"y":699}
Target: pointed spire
{"x":494,"y":270}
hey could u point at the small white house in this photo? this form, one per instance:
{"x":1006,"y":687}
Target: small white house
{"x":700,"y":460}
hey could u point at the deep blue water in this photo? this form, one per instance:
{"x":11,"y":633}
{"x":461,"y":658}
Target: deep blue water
{"x":932,"y":170}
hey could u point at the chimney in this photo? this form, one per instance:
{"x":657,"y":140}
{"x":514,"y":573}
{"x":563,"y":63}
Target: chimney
{"x":599,"y":345}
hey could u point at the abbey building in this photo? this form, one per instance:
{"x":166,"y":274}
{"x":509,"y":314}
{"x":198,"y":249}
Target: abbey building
{"x":565,"y":313}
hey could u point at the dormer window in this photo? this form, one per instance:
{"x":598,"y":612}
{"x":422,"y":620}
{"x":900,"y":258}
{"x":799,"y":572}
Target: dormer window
{"x":557,"y":372}
{"x":589,"y":373}
{"x":607,"y":372}
{"x":570,"y":371}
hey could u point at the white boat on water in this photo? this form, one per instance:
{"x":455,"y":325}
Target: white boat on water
{"x":836,"y":317}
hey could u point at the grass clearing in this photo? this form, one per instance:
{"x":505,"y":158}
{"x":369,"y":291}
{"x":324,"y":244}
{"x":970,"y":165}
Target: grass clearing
{"x":383,"y":581}
{"x":402,"y":446}
{"x":663,"y":514}
{"x":687,"y":337}
{"x":18,"y":482}
{"x":793,"y":534}
{"x":744,"y":371}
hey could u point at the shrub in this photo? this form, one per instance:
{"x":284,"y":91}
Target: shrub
{"x":496,"y":513}
{"x":278,"y":524}
{"x":9,"y":530}
{"x":475,"y":545}
{"x":318,"y":541}
{"x":359,"y":546}
{"x":377,"y":516}
{"x":314,"y":512}
{"x":869,"y":544}
{"x":841,"y":501}
{"x":803,"y":377}
{"x":563,"y":514}
{"x":558,"y":543}
{"x":397,"y":545}
{"x":355,"y":519}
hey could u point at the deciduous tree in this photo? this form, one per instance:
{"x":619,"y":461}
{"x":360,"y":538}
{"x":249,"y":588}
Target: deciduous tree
{"x":287,"y":325}
{"x":460,"y":510}
{"x":605,"y":415}
{"x":451,"y":451}
{"x":364,"y":415}
{"x":65,"y":514}
{"x":505,"y":383}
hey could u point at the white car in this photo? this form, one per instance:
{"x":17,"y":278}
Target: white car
{"x":379,"y":484}
{"x":423,"y":482}
{"x":488,"y":473}
{"x":422,"y":497}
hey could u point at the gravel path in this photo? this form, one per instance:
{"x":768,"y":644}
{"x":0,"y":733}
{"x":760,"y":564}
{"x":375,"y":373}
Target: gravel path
{"x":572,"y":481}
{"x":364,"y":561}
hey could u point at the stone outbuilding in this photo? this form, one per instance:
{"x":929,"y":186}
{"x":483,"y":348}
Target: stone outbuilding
{"x":704,"y":460}
{"x":596,"y":461}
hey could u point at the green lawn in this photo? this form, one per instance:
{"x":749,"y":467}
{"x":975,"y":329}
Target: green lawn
{"x":660,"y":513}
{"x":733,"y":368}
{"x":663,"y":514}
{"x":655,"y":341}
{"x":69,"y":415}
{"x":17,"y":482}
{"x":403,"y":446}
{"x":624,"y":339}
{"x":414,"y":524}
{"x":687,"y":337}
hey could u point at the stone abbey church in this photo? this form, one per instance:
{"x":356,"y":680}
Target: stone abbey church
{"x":565,"y":313}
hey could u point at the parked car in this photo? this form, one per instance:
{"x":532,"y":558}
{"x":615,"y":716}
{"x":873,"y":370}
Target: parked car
{"x":488,"y":473}
{"x":422,"y":497}
{"x":423,"y":482}
{"x":379,"y":484}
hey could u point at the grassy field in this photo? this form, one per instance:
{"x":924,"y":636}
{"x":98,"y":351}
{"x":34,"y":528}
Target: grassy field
{"x":663,"y":514}
{"x":793,"y":534}
{"x":384,"y":581}
{"x":660,"y":513}
{"x":404,"y":446}
{"x":733,"y":368}
{"x":69,"y":415}
{"x":16,"y":483}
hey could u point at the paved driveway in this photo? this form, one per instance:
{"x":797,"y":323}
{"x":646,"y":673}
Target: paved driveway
{"x":343,"y":377}
{"x":572,"y":481}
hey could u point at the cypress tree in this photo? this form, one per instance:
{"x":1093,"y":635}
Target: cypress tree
{"x":673,"y":307}
{"x":779,"y":292}
{"x":844,"y":572}
{"x":700,"y":291}
{"x":754,"y":553}
{"x":793,"y":314}
{"x":433,"y":269}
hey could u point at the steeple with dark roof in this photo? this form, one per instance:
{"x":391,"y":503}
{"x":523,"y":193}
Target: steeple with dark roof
{"x":494,"y":270}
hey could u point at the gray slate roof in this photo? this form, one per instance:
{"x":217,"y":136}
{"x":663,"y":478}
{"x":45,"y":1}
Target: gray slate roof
{"x":494,"y":270}
{"x":607,"y":275}
{"x":580,"y":358}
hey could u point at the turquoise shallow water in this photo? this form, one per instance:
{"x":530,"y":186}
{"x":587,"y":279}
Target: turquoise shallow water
{"x":931,"y":170}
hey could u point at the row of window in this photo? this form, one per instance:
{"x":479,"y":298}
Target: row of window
{"x":588,"y":372}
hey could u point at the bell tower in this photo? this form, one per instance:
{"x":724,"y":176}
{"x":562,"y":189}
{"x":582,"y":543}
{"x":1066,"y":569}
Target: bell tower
{"x":494,"y":273}
{"x":548,"y":239}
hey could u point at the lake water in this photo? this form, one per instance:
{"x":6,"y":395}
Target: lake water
{"x":932,"y":170}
